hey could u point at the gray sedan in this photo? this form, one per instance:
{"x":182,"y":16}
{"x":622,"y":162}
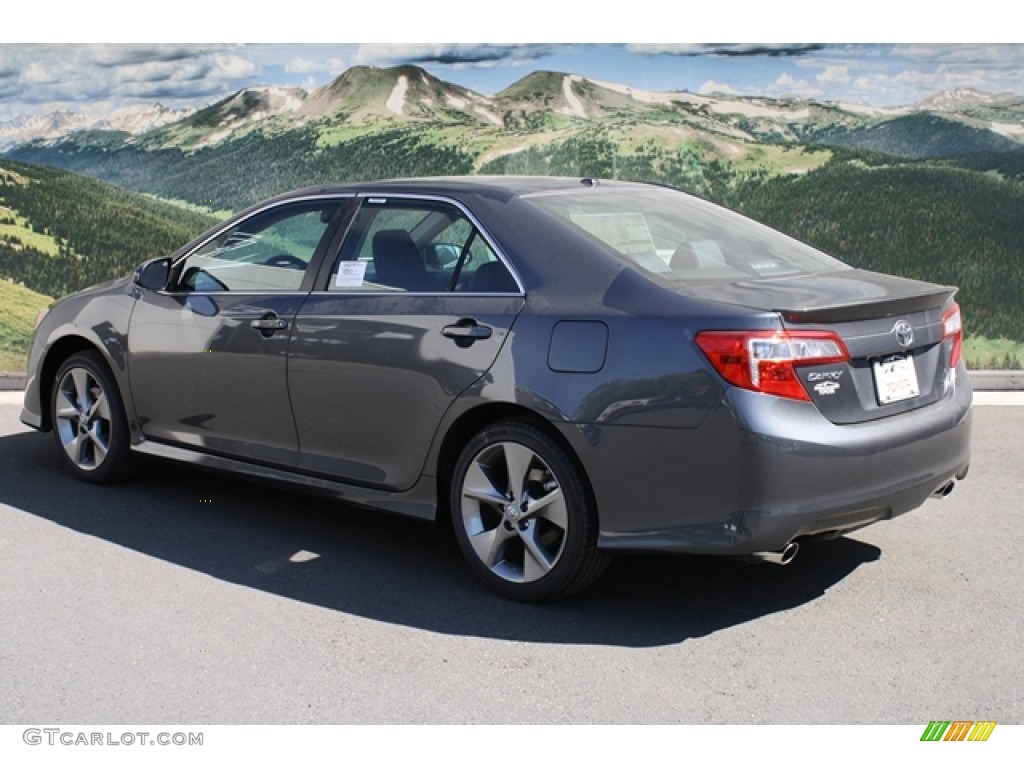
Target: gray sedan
{"x":564,"y":367}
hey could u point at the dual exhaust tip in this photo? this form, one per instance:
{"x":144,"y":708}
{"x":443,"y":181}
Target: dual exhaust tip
{"x":785,"y":555}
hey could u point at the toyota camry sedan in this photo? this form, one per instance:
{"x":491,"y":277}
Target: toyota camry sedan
{"x":563,"y":367}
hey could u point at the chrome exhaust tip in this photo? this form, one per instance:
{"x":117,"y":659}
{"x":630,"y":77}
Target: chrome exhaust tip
{"x":783,"y":557}
{"x":944,"y":490}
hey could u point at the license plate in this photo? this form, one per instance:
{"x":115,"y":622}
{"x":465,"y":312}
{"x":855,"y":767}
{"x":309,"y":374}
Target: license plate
{"x":895,"y":379}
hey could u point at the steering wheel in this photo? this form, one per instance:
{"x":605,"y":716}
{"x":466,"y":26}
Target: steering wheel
{"x":285,"y":260}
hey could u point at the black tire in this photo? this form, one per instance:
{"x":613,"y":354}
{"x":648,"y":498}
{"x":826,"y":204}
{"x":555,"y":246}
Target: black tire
{"x":524,"y":514}
{"x":89,"y":422}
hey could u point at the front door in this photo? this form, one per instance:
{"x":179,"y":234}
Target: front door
{"x":209,"y":354}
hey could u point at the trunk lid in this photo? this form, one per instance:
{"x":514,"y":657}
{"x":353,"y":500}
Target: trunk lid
{"x":843,"y":296}
{"x":892,"y":327}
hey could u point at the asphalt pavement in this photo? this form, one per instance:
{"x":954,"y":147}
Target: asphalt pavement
{"x":188,"y":597}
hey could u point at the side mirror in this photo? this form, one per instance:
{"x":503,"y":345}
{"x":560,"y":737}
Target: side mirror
{"x":441,"y":255}
{"x":153,"y":274}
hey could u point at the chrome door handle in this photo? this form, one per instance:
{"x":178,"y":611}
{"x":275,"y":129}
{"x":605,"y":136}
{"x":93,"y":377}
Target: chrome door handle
{"x":468,"y":330}
{"x":270,"y":324}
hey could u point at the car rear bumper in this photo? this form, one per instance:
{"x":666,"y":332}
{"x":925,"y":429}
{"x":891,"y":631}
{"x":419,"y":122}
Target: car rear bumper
{"x":759,"y":473}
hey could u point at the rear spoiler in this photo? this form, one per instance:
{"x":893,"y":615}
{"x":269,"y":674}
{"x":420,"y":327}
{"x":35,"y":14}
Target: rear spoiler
{"x":936,"y":297}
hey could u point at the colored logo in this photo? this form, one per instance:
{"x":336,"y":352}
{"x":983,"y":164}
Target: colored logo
{"x":958,"y":730}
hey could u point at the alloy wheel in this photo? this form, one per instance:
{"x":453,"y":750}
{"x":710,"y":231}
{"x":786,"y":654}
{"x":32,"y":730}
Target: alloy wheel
{"x":83,"y":419}
{"x":514,"y":512}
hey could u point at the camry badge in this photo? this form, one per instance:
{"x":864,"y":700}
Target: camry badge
{"x":904,"y":333}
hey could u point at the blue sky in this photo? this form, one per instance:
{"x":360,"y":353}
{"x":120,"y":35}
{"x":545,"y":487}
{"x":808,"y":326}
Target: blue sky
{"x":98,"y":77}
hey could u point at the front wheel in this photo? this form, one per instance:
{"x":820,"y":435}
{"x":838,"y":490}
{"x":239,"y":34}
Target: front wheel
{"x":523,"y":514}
{"x":89,"y":422}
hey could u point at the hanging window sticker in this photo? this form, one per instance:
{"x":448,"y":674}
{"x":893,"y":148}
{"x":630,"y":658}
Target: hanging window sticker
{"x":626,"y":232}
{"x":350,"y":274}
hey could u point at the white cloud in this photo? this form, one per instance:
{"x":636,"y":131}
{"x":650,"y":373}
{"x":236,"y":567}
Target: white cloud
{"x":38,"y":73}
{"x":303,"y":66}
{"x":786,"y":85}
{"x":834,"y":75}
{"x":387,"y":53}
{"x":458,"y":55}
{"x":910,"y":85}
{"x":32,"y":77}
{"x":230,"y":67}
{"x":712,"y":87}
{"x":678,"y":49}
{"x":967,"y":54}
{"x":298,"y":65}
{"x":36,"y":76}
{"x":904,"y":74}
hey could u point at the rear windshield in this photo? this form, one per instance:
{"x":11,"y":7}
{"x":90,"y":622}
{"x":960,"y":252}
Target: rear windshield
{"x":676,"y":236}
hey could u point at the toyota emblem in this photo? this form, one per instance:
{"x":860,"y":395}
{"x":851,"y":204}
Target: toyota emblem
{"x":904,"y":333}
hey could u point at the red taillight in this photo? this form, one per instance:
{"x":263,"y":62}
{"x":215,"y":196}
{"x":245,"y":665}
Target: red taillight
{"x":766,"y":361}
{"x":952,"y":329}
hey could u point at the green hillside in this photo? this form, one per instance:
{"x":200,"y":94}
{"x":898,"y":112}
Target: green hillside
{"x":60,"y":232}
{"x":235,"y":174}
{"x":917,"y":137}
{"x":933,"y":222}
{"x":955,"y":220}
{"x":21,"y":307}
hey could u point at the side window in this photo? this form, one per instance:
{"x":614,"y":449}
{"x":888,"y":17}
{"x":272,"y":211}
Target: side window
{"x":416,"y":246}
{"x":266,"y":252}
{"x":481,"y":271}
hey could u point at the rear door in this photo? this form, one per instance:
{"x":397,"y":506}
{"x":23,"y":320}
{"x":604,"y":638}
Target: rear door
{"x":412,"y":311}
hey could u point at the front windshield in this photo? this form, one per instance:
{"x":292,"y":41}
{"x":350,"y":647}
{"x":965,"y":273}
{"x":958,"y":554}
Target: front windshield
{"x":677,"y":236}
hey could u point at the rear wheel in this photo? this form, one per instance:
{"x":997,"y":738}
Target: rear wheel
{"x":89,"y":422}
{"x":524,"y":515}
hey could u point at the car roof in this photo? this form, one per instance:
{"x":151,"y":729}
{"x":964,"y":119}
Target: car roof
{"x":501,"y":186}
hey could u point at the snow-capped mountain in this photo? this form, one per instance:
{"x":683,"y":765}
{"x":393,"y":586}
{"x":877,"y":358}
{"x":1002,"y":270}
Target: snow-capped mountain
{"x":368,"y":93}
{"x":30,"y":127}
{"x":960,"y":99}
{"x":139,"y":118}
{"x":251,"y":105}
{"x":233,"y":115}
{"x":540,"y":104}
{"x":134,"y":119}
{"x":1000,"y":113}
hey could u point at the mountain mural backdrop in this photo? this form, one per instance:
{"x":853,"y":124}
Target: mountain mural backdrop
{"x":933,"y":190}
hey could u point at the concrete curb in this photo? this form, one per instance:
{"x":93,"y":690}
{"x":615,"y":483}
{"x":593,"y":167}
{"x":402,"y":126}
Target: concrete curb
{"x":1005,"y":397}
{"x":12,"y":381}
{"x":981,"y":381}
{"x":997,"y":381}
